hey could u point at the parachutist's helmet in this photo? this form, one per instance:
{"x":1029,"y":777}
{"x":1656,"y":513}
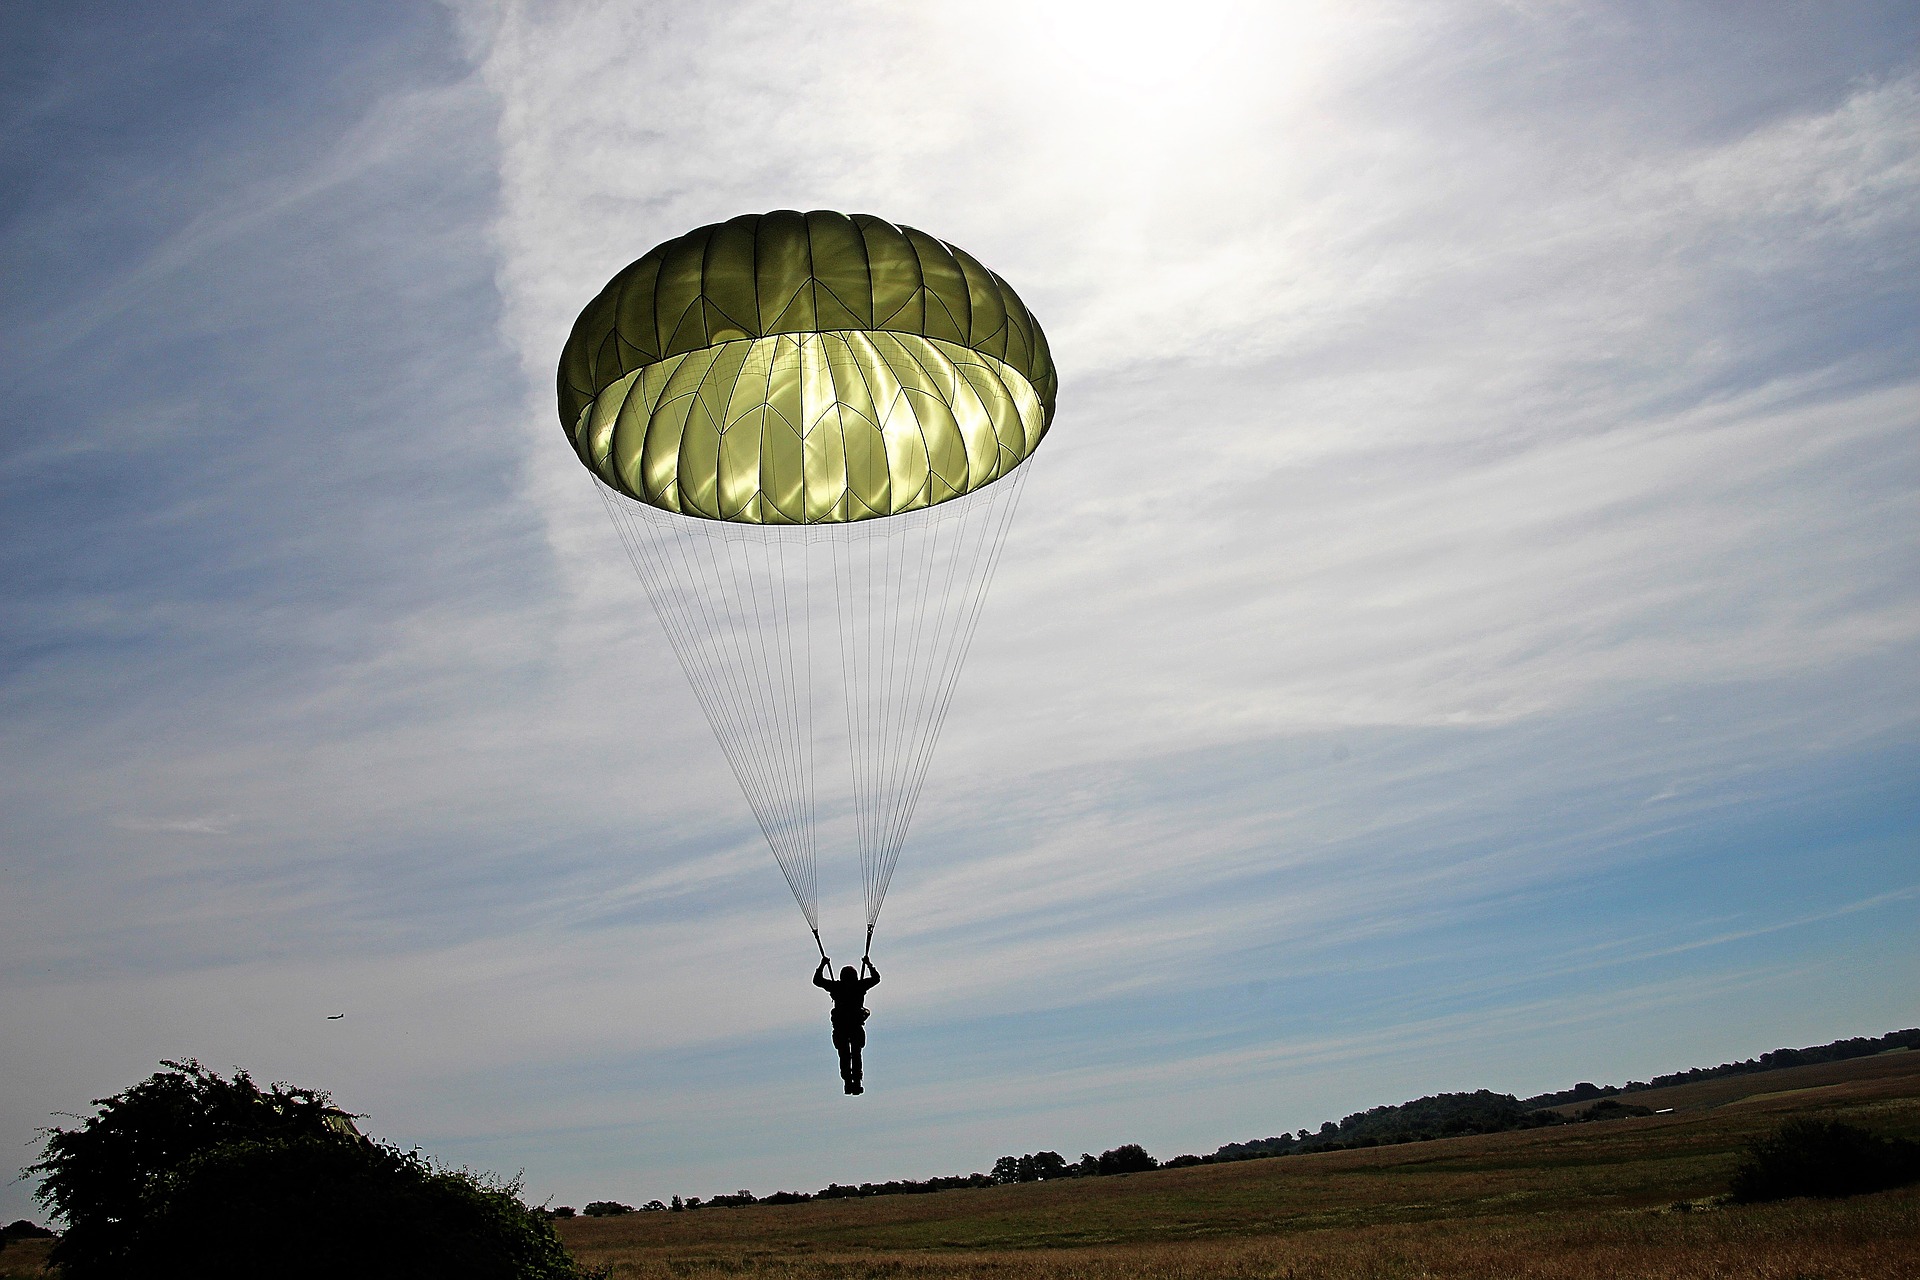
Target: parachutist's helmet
{"x":847,"y":974}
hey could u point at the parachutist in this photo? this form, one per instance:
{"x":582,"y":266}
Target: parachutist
{"x":850,"y":1015}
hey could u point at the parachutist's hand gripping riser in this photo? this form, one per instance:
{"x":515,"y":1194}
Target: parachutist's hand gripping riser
{"x":779,"y":392}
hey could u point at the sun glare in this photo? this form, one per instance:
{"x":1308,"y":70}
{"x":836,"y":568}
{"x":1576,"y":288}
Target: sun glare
{"x":1142,"y":63}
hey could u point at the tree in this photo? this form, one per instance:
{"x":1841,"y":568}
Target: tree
{"x":190,"y":1174}
{"x":1006,"y":1169}
{"x":1129,"y":1158}
{"x":1048,"y":1164}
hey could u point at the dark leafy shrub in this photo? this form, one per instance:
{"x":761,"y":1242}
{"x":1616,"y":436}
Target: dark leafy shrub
{"x":320,"y":1208}
{"x":108,"y":1178}
{"x":187,"y":1174}
{"x":1823,"y":1158}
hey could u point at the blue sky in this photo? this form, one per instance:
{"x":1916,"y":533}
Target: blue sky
{"x":1461,"y":632}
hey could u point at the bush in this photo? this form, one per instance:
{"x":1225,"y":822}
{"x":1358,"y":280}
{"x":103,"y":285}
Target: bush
{"x":321,"y":1208}
{"x":1823,"y":1158}
{"x":188,"y":1174}
{"x":606,"y":1209}
{"x":109,"y":1178}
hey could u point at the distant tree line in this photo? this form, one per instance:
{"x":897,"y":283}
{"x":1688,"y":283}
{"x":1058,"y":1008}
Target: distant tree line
{"x":1440,"y":1115}
{"x":1040,"y":1166}
{"x":1837,"y":1051}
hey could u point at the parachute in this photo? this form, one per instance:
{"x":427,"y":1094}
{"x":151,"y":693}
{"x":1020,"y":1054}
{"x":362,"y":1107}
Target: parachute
{"x":793,"y":418}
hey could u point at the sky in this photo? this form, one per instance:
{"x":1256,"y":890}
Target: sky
{"x":1462,"y":630}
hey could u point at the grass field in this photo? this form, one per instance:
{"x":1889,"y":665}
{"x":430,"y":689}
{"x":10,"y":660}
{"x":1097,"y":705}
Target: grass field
{"x":1619,"y":1198}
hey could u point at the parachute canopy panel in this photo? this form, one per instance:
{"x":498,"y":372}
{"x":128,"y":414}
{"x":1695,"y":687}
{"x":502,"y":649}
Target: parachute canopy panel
{"x":789,"y":368}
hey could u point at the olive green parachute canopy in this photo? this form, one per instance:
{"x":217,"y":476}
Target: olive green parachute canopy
{"x":816,"y":368}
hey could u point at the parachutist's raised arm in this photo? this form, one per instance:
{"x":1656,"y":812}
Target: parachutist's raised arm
{"x":820,"y":974}
{"x":867,"y":964}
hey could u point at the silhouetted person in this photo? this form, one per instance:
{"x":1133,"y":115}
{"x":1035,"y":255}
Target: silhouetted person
{"x":849,"y":992}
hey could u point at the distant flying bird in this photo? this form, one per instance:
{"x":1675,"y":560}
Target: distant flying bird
{"x":335,"y":1017}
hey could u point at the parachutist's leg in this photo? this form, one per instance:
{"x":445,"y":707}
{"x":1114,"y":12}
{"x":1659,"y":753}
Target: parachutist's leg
{"x":849,"y":1059}
{"x":856,"y":1041}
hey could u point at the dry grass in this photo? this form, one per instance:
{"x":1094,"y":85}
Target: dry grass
{"x":1563,"y":1204}
{"x":1877,"y":1238}
{"x":24,"y":1258}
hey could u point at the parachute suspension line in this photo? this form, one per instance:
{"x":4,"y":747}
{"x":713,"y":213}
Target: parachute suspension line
{"x":968,"y":593}
{"x":757,"y":703}
{"x":776,"y":706}
{"x":800,"y":687}
{"x":910,"y":592}
{"x":765,"y":589}
{"x":734,"y":601}
{"x":719,"y":623}
{"x":768,"y":729}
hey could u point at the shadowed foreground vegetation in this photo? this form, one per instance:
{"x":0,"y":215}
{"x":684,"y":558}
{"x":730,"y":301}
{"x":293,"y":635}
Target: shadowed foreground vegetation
{"x":1634,"y":1197}
{"x":189,"y":1175}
